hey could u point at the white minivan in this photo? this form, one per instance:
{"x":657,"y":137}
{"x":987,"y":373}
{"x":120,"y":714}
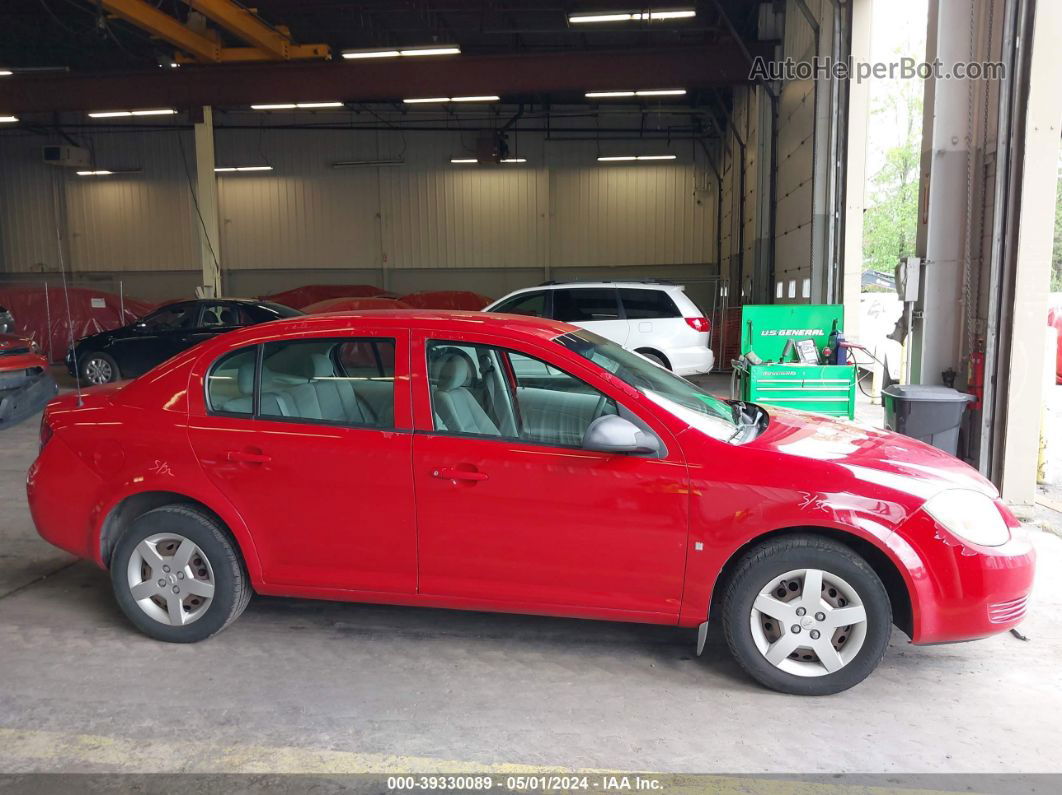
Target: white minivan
{"x":655,"y":319}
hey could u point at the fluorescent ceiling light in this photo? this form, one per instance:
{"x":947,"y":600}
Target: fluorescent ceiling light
{"x":446,"y":50}
{"x":111,"y":114}
{"x":408,"y":51}
{"x":352,"y":54}
{"x":227,"y":169}
{"x":397,"y":161}
{"x":463,"y":160}
{"x":100,"y":173}
{"x":441,"y":100}
{"x":6,"y":73}
{"x":650,"y":16}
{"x":682,"y":13}
{"x":8,"y":119}
{"x":647,"y":92}
{"x":615,"y":158}
{"x":297,"y":105}
{"x":580,"y":18}
{"x":513,"y":160}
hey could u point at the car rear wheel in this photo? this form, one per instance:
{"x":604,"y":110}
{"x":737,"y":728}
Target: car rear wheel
{"x":99,"y":368}
{"x":656,"y":358}
{"x":806,"y":615}
{"x":177,"y":576}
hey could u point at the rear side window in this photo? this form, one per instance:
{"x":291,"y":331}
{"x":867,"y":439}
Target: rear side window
{"x":585,"y":305}
{"x":647,"y":304}
{"x":531,"y":304}
{"x":344,"y":382}
{"x":230,"y":383}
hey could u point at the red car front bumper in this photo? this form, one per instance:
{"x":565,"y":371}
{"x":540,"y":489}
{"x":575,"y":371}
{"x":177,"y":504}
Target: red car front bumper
{"x":965,"y":591}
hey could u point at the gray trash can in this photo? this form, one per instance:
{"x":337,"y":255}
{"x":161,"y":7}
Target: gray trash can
{"x":931,"y":414}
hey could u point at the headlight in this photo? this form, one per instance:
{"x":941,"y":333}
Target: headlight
{"x":970,"y":515}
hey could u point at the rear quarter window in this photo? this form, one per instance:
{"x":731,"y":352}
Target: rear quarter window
{"x":646,"y":304}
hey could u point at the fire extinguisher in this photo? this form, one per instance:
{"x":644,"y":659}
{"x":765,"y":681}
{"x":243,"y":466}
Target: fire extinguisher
{"x":975,"y":380}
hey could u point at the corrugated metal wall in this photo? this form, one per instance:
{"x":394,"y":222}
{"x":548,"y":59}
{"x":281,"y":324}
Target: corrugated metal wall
{"x":795,"y":247}
{"x":560,"y":210}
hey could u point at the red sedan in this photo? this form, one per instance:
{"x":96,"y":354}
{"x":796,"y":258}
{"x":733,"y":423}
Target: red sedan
{"x":496,"y":462}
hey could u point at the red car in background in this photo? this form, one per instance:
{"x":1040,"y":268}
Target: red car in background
{"x":507,"y":463}
{"x":26,"y":385}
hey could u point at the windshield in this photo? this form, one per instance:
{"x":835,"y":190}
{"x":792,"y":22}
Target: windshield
{"x":677,"y":395}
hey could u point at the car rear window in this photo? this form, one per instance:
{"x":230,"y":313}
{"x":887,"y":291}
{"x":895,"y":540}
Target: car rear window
{"x":532,"y":304}
{"x":585,"y":305}
{"x":646,"y":304}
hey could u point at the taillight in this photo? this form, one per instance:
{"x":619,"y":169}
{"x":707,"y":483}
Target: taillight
{"x":699,"y":323}
{"x":46,"y":432}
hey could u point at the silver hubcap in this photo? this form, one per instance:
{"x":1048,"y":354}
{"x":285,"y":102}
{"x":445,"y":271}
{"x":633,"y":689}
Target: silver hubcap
{"x":808,"y":622}
{"x":98,"y":371}
{"x":171,"y":579}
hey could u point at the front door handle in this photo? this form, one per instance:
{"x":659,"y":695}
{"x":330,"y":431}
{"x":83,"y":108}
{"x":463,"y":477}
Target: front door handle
{"x":247,"y":457}
{"x":450,"y":473}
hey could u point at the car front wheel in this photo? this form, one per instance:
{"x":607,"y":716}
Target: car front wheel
{"x":177,"y":576}
{"x":99,"y":368}
{"x":806,"y":615}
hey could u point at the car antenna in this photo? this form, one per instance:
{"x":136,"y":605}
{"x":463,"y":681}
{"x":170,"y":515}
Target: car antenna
{"x":66,"y":297}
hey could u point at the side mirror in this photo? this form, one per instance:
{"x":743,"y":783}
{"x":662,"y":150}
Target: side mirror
{"x":614,"y":434}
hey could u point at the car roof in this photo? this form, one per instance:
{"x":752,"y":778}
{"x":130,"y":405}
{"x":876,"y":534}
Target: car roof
{"x":666,"y":286}
{"x":431,"y":319}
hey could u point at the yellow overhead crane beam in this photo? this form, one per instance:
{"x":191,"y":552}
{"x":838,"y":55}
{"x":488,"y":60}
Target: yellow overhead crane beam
{"x":165,"y":27}
{"x":243,"y":23}
{"x":267,"y":44}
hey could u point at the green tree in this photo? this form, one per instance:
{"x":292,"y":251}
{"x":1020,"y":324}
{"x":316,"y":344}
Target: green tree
{"x":891,"y":216}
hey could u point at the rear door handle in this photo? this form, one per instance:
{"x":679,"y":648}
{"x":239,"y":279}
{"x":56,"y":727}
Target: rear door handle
{"x":449,"y":473}
{"x":247,"y":457}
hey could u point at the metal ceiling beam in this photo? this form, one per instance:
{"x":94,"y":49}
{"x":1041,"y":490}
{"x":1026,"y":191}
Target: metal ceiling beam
{"x":165,"y":27}
{"x":247,"y":26}
{"x":508,"y":76}
{"x":296,"y":52}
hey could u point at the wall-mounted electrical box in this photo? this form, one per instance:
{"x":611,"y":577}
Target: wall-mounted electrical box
{"x":67,"y":156}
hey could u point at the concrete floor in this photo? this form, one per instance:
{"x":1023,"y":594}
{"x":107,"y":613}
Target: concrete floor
{"x":318,"y":687}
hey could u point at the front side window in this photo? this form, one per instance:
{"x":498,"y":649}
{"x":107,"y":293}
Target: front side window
{"x":531,"y":304}
{"x":309,"y":380}
{"x":489,"y":391}
{"x":647,"y":304}
{"x":585,"y":305}
{"x":677,"y":395}
{"x":230,"y":383}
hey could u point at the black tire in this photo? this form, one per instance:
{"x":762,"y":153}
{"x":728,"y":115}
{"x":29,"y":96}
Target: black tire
{"x":774,"y":559}
{"x":232,"y":587}
{"x":87,"y":362}
{"x":656,"y":358}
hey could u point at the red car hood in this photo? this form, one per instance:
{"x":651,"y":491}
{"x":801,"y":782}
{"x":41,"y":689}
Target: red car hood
{"x":879,"y":457}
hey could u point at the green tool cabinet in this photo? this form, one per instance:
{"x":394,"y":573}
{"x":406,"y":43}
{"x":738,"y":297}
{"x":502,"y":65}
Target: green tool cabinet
{"x":823,"y":388}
